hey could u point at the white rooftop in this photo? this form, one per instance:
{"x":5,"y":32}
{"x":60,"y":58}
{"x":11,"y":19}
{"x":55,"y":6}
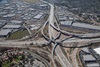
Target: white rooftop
{"x":12,"y":26}
{"x":69,"y":23}
{"x":97,"y":50}
{"x":31,"y":9}
{"x":83,"y":25}
{"x":2,"y":13}
{"x":93,"y":65}
{"x":62,"y":18}
{"x":9,"y":15}
{"x":2,"y":21}
{"x":8,"y":8}
{"x":4,"y":32}
{"x":43,"y":5}
{"x":88,"y":58}
{"x":15,"y":21}
{"x":38,"y":16}
{"x":33,"y":27}
{"x":86,"y":50}
{"x":60,"y":14}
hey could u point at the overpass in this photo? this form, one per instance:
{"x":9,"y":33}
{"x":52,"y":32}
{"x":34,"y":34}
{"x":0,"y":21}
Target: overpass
{"x":53,"y":39}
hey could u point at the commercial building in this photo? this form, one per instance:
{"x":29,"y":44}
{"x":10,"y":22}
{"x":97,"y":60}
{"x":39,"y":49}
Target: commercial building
{"x":8,"y":8}
{"x":97,"y":50}
{"x":89,"y":58}
{"x":43,"y":6}
{"x":12,"y":27}
{"x":88,"y":26}
{"x":32,"y":27}
{"x":38,"y":16}
{"x":62,"y":18}
{"x":68,"y":23}
{"x":93,"y":65}
{"x":5,"y":32}
{"x":9,"y":15}
{"x":17,"y":22}
{"x":2,"y":23}
{"x":2,"y":13}
{"x":86,"y":50}
{"x":79,"y":25}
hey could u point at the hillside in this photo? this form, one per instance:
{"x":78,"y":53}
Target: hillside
{"x":82,"y":5}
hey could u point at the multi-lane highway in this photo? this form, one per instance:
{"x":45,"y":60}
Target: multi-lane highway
{"x":74,"y":58}
{"x":63,"y":60}
{"x":39,"y":43}
{"x":53,"y":33}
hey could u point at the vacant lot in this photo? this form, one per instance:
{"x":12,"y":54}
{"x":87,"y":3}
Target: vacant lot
{"x":30,"y":1}
{"x":18,"y":34}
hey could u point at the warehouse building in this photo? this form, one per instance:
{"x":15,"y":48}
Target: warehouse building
{"x":17,"y":22}
{"x":12,"y":27}
{"x":2,"y":13}
{"x":38,"y":16}
{"x":88,"y":59}
{"x":62,"y":18}
{"x":5,"y":32}
{"x":43,"y":6}
{"x":79,"y":25}
{"x":2,"y":23}
{"x":8,"y":15}
{"x":33,"y":27}
{"x":86,"y":50}
{"x":68,"y":23}
{"x":87,"y":26}
{"x":97,"y":50}
{"x":93,"y":65}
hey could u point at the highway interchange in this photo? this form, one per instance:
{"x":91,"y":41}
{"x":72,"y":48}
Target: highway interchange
{"x":53,"y":40}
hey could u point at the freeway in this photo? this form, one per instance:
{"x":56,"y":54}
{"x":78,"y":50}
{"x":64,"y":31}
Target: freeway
{"x":71,"y":43}
{"x":63,"y":60}
{"x":43,"y":29}
{"x":59,"y":53}
{"x":27,"y":29}
{"x":39,"y":43}
{"x":74,"y":58}
{"x":50,"y":29}
{"x":89,"y":35}
{"x":84,"y":40}
{"x":53,"y":38}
